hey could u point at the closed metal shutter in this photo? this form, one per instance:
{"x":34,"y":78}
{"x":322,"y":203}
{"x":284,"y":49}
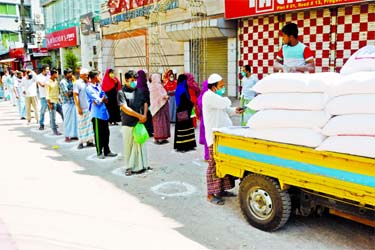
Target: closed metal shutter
{"x":217,"y":58}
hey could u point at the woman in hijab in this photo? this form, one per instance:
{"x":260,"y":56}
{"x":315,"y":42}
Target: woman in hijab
{"x":202,"y":134}
{"x":159,"y":110}
{"x":170,"y":85}
{"x":111,"y":85}
{"x":184,"y":138}
{"x":142,"y":85}
{"x":194,"y":92}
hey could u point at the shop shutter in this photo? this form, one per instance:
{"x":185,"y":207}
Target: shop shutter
{"x":217,"y":58}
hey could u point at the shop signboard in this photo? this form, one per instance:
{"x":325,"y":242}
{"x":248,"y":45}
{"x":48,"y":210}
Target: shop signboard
{"x":38,"y":52}
{"x":62,"y":39}
{"x":118,"y":6}
{"x":87,"y":24}
{"x":246,"y":8}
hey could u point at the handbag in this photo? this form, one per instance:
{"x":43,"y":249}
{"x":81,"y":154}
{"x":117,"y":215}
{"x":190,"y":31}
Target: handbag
{"x":140,"y":133}
{"x":182,"y":116}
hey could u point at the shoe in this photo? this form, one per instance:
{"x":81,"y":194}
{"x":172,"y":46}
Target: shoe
{"x":80,"y":146}
{"x":41,"y":127}
{"x":57,"y":133}
{"x":68,"y":139}
{"x":101,"y":156}
{"x":90,"y":144}
{"x":74,"y":138}
{"x":23,"y":118}
{"x":110,"y":154}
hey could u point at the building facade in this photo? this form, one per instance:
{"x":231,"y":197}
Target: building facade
{"x":70,"y":25}
{"x":185,"y":36}
{"x":332,"y":31}
{"x":12,"y":46}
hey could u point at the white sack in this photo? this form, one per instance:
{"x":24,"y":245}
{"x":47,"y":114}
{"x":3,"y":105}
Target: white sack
{"x":288,"y":82}
{"x":352,"y":104}
{"x":351,"y":125}
{"x":362,"y":60}
{"x":355,"y":145}
{"x":288,"y":119}
{"x":296,"y":136}
{"x":294,"y":101}
{"x":356,"y":83}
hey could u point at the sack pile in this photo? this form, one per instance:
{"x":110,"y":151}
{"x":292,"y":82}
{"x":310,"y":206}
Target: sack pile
{"x":291,"y":108}
{"x":352,"y":128}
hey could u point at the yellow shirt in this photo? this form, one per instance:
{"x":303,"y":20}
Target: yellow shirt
{"x":53,"y":91}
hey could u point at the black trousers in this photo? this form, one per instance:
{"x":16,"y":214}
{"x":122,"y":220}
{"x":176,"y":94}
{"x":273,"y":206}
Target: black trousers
{"x":101,"y":131}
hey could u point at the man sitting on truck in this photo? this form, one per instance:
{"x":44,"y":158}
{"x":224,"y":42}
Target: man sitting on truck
{"x":216,"y":110}
{"x":294,"y":56}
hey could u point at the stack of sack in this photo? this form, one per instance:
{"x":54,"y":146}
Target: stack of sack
{"x":352,"y":128}
{"x":291,"y":108}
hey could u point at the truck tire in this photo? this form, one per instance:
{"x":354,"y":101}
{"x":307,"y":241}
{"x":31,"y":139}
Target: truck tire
{"x":263,"y":203}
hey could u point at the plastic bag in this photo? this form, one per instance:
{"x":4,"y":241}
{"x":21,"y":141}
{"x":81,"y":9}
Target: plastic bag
{"x":140,"y":133}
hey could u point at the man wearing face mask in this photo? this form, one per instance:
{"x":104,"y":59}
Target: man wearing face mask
{"x":133,"y":106}
{"x":216,"y":111}
{"x":294,"y":56}
{"x":247,"y":94}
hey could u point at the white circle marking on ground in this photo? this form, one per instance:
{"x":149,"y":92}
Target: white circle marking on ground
{"x":94,"y":157}
{"x":174,"y":185}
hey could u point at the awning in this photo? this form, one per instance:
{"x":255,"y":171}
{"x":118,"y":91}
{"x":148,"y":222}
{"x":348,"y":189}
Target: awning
{"x":8,"y":60}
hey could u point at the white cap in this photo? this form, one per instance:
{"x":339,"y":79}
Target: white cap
{"x":84,"y":71}
{"x":214,"y":78}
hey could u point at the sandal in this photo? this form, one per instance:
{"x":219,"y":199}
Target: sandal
{"x":216,"y":200}
{"x":128,"y":172}
{"x":227,"y":194}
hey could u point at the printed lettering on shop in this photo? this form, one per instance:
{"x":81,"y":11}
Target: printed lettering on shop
{"x":236,"y":8}
{"x":63,"y":38}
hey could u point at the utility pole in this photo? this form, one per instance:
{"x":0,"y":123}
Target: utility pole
{"x":23,"y":27}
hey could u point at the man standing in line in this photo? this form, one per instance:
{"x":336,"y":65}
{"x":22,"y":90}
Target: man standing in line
{"x":69,"y":108}
{"x":216,"y":110}
{"x":294,"y":56}
{"x":19,"y":95}
{"x":99,"y":113}
{"x":85,"y":131}
{"x":52,"y":96}
{"x":29,"y":90}
{"x":42,"y":80}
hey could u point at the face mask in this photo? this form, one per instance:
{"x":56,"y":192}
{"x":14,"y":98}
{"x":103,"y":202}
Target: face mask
{"x":111,"y":75}
{"x":243,"y":73}
{"x":221,"y":91}
{"x":30,"y":76}
{"x":171,"y":78}
{"x":133,"y":85}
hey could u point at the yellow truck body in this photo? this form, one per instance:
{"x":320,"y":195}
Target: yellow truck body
{"x":342,"y":177}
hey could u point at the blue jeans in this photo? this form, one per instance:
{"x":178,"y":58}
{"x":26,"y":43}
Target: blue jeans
{"x":52,"y":114}
{"x":43,"y":109}
{"x":21,"y":106}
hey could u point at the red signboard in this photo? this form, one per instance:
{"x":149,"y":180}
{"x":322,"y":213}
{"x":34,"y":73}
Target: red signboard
{"x":40,"y":52}
{"x":244,"y":8}
{"x":16,"y":53}
{"x":63,"y":38}
{"x":118,"y":6}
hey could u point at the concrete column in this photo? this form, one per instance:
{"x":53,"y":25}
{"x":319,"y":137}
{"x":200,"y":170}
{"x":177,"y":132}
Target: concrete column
{"x":232,"y":68}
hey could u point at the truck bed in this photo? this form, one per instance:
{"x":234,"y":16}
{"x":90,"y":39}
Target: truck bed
{"x":344,"y":176}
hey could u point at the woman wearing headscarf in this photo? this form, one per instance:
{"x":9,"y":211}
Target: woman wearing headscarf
{"x":202,"y":134}
{"x":159,"y":110}
{"x":194,"y":92}
{"x":111,"y":85}
{"x":184,"y":138}
{"x":170,"y":85}
{"x":142,"y":85}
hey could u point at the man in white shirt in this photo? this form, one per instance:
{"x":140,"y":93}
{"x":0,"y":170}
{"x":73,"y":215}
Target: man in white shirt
{"x":216,"y":110}
{"x":29,"y":90}
{"x":19,"y":95}
{"x":42,"y":80}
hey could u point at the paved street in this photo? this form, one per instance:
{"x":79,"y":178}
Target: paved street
{"x":55,"y":197}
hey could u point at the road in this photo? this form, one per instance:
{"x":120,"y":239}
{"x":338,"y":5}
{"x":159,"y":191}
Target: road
{"x":55,"y":197}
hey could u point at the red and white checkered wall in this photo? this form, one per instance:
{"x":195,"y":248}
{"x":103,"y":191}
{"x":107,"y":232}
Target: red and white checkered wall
{"x":333,"y":34}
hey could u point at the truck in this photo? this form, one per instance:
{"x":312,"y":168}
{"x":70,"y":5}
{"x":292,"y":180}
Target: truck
{"x":277,"y":179}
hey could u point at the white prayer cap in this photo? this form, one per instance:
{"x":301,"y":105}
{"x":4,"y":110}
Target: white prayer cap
{"x":214,"y":78}
{"x":84,"y":71}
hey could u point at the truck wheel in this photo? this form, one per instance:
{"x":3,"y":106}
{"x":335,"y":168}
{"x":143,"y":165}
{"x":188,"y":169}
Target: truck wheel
{"x":263,"y":203}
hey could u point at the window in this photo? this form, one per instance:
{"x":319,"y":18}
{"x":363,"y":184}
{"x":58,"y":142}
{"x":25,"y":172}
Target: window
{"x":8,"y":9}
{"x":28,"y":11}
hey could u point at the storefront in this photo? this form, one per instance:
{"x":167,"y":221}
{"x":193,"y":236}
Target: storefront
{"x":333,"y":30}
{"x":59,"y":42}
{"x":181,"y":35}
